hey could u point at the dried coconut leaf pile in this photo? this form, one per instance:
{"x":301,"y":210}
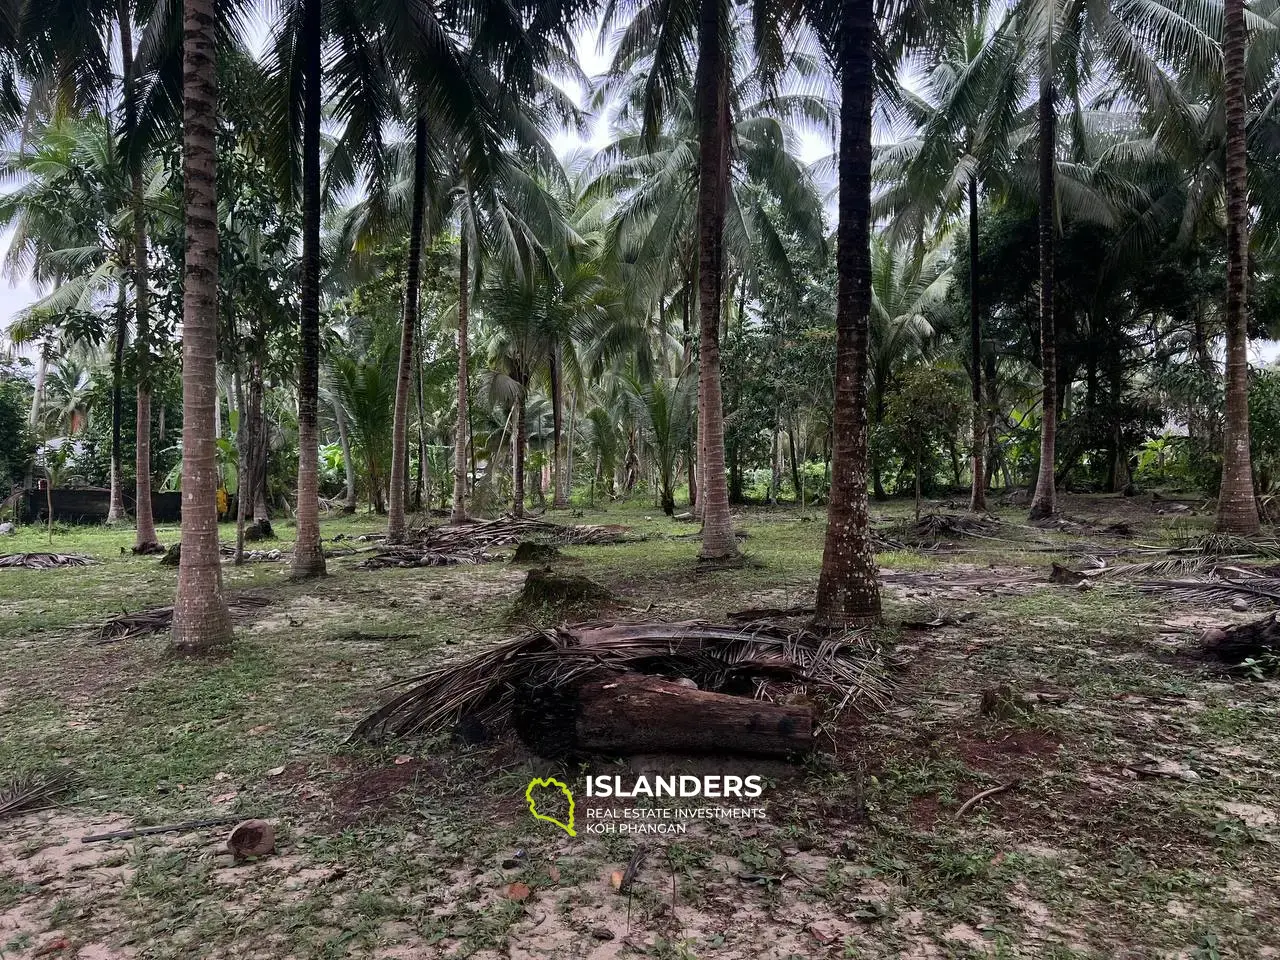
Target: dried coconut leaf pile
{"x":129,"y":625}
{"x":505,"y":531}
{"x":421,"y":556}
{"x":482,"y":688}
{"x":44,"y":561}
{"x":33,"y":791}
{"x":1214,"y":570}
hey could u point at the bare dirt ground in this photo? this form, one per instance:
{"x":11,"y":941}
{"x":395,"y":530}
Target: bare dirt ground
{"x":1139,"y":815}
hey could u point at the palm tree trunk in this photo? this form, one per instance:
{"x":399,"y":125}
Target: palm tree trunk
{"x":349,"y":502}
{"x":145,"y":540}
{"x":848,"y":586}
{"x":694,"y":459}
{"x":250,"y":458}
{"x":1044,"y":502}
{"x":517,"y":455}
{"x":308,"y":555}
{"x":420,"y":496}
{"x":459,"y":513}
{"x":116,"y":512}
{"x":396,"y":527}
{"x":557,"y":428}
{"x":201,"y":622}
{"x":718,"y":541}
{"x":1237,"y":508}
{"x":978,"y":493}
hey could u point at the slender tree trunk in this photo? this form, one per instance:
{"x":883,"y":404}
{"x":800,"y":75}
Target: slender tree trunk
{"x":308,"y":555}
{"x":251,"y":460}
{"x":1237,"y":508}
{"x":261,"y":512}
{"x":145,"y":537}
{"x":201,"y":622}
{"x":38,"y":388}
{"x":420,"y":496}
{"x":1044,"y":502}
{"x":350,"y":501}
{"x":116,"y":512}
{"x":978,"y":492}
{"x":795,"y":463}
{"x":459,"y":513}
{"x":396,"y":526}
{"x":244,"y":463}
{"x":557,"y":428}
{"x":697,"y":431}
{"x":718,"y":541}
{"x":848,"y":586}
{"x":517,"y":455}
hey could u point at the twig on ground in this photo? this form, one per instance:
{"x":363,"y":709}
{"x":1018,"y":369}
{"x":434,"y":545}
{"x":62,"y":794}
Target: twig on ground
{"x":1001,"y":788}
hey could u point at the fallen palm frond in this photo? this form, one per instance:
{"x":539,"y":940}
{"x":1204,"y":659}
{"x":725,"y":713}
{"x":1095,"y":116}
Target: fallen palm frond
{"x":482,"y":688}
{"x":1227,"y":586}
{"x":1227,"y":545}
{"x":33,"y":791}
{"x":409,"y":556}
{"x":126,"y":626}
{"x":504,"y":531}
{"x":1096,"y":567}
{"x":44,"y":561}
{"x":940,"y":525}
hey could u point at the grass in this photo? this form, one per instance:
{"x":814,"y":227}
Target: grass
{"x":409,"y":849}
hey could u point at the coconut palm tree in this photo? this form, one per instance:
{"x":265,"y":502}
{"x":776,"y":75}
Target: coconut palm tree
{"x":848,"y":588}
{"x":201,"y":621}
{"x":907,"y":283}
{"x":662,"y":34}
{"x":1237,"y":508}
{"x":662,"y":406}
{"x":964,"y":117}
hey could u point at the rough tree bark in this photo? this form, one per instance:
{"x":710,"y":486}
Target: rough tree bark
{"x":145,"y":540}
{"x":308,"y":555}
{"x":459,"y":512}
{"x":201,"y":622}
{"x":1237,"y":508}
{"x":517,"y":455}
{"x":396,"y":525}
{"x":718,"y":541}
{"x":848,"y":586}
{"x":116,"y":511}
{"x":1044,"y":502}
{"x":978,"y":493}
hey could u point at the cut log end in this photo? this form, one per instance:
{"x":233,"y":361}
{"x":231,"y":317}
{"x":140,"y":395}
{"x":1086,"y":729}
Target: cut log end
{"x":621,"y":714}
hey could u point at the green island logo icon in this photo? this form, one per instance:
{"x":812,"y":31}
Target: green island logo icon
{"x":549,"y":783}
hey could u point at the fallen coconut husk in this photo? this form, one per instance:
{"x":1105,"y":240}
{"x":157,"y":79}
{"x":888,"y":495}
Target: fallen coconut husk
{"x":126,"y":626}
{"x":33,"y":791}
{"x":44,"y":561}
{"x":480,"y":690}
{"x":1253,"y":646}
{"x":419,"y":556}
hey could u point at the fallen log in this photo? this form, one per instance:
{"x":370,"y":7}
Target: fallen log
{"x":629,"y":713}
